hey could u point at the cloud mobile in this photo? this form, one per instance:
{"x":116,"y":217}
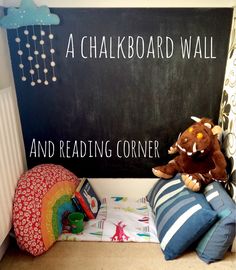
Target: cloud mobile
{"x":33,"y":33}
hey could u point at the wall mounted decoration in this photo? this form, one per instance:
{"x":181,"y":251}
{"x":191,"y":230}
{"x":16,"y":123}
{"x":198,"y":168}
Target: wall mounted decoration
{"x":128,"y":81}
{"x":34,"y":40}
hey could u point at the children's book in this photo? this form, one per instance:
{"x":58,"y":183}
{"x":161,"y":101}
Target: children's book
{"x":87,"y":198}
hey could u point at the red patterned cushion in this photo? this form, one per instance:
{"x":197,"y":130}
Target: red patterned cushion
{"x":42,"y":197}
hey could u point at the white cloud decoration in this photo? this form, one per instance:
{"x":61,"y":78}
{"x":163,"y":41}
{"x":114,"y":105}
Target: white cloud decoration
{"x":33,"y":38}
{"x":28,"y":14}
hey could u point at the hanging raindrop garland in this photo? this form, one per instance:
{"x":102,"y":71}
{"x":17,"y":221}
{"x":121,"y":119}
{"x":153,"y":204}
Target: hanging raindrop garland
{"x":20,"y":53}
{"x":36,"y":53}
{"x":34,"y":40}
{"x":52,"y":51}
{"x":39,"y":62}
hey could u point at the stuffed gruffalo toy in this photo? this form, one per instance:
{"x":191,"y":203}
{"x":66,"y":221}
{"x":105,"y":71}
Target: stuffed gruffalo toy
{"x":200,"y":160}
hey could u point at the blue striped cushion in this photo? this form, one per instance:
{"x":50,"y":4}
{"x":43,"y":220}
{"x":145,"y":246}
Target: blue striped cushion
{"x":181,"y":216}
{"x":219,"y":238}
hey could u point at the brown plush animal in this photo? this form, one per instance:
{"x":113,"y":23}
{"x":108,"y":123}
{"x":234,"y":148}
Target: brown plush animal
{"x":200,"y":160}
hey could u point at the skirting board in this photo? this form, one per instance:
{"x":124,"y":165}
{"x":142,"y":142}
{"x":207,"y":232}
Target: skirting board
{"x":4,"y":246}
{"x":134,"y":188}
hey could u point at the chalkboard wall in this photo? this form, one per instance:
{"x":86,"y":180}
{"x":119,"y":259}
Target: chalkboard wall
{"x":127,"y":83}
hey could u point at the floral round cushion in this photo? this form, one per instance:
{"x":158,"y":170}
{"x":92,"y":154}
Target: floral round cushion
{"x":42,"y":197}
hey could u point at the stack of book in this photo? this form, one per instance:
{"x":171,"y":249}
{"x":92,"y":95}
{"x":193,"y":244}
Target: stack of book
{"x":86,"y":200}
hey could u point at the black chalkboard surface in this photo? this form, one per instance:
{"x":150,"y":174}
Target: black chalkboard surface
{"x":128,"y":81}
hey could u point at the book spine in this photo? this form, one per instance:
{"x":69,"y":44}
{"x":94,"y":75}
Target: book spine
{"x":84,"y":206}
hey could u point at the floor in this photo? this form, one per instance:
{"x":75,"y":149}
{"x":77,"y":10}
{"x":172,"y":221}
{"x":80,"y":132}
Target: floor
{"x":107,"y":256}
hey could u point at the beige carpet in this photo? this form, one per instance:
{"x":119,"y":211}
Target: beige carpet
{"x":107,"y":256}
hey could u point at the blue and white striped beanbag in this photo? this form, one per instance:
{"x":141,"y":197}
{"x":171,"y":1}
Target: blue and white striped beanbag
{"x":181,"y":216}
{"x":215,"y":243}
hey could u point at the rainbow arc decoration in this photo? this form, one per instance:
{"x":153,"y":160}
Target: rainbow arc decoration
{"x":34,"y":40}
{"x":55,"y":202}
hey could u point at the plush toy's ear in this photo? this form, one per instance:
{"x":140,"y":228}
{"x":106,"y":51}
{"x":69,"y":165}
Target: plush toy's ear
{"x":216,"y":130}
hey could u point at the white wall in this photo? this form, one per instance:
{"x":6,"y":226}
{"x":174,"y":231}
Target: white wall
{"x":125,"y":3}
{"x":6,"y":81}
{"x":5,"y":69}
{"x":6,"y":78}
